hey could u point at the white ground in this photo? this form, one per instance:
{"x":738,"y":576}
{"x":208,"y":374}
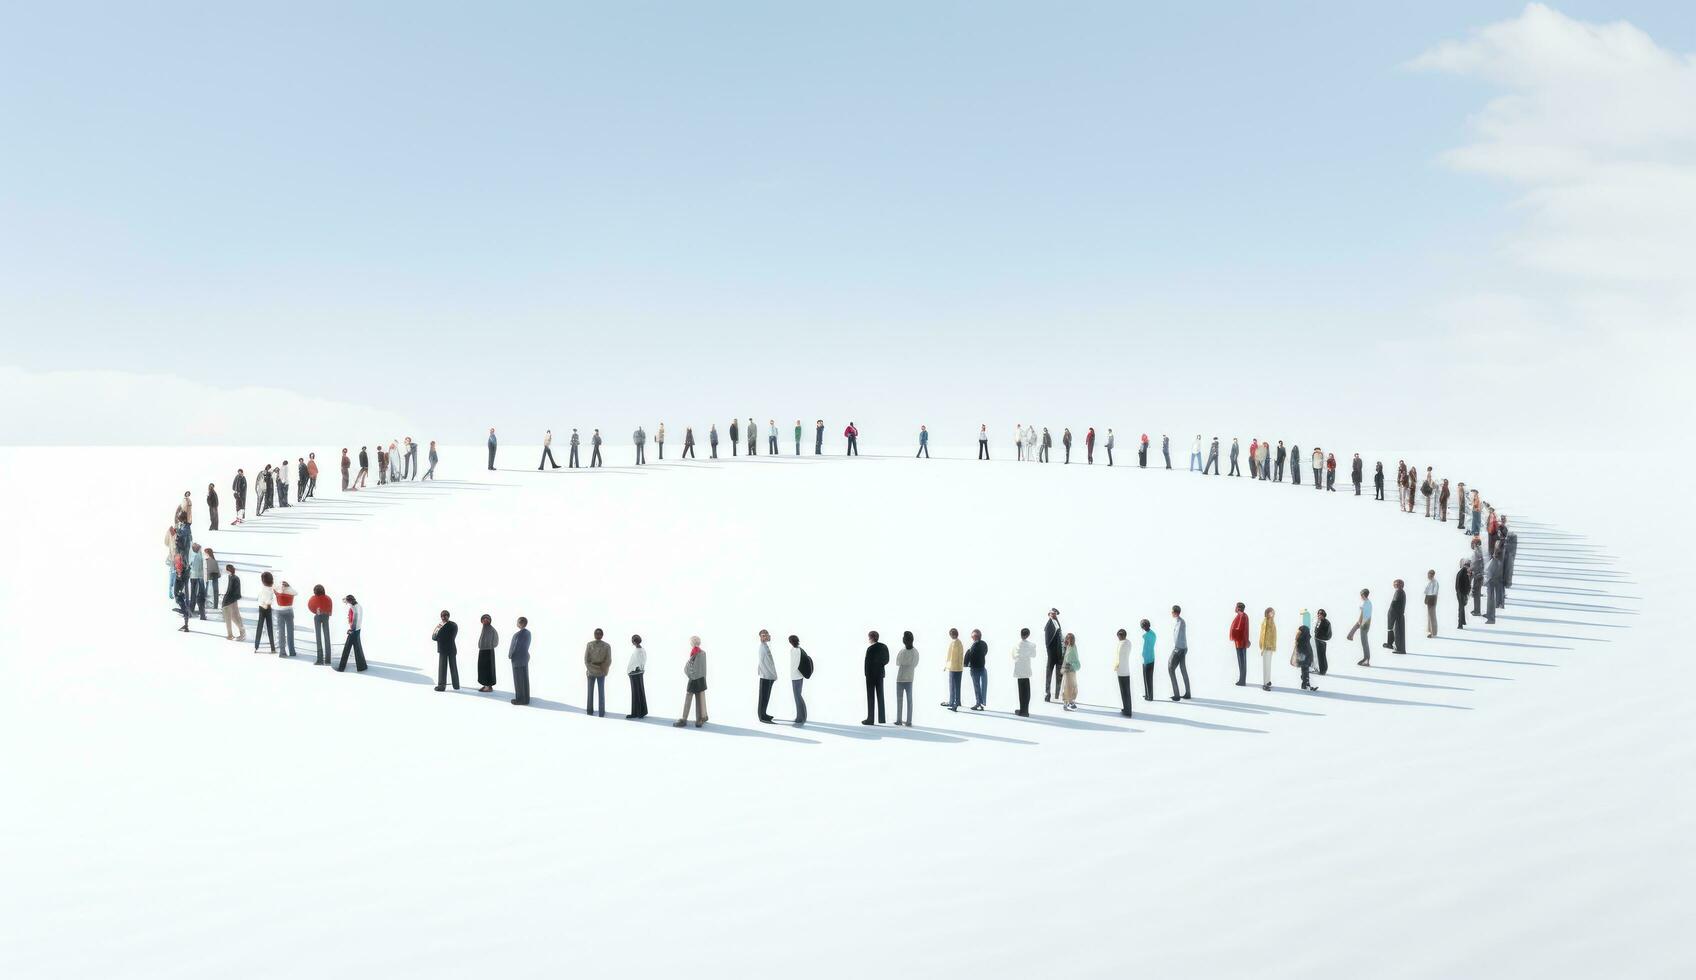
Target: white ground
{"x":1513,"y":801}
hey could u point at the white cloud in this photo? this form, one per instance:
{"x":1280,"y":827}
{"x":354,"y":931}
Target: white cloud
{"x":126,"y":408}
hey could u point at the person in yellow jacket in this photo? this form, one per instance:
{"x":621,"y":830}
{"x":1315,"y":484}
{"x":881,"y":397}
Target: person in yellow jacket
{"x":954,"y":664}
{"x":1268,"y":646}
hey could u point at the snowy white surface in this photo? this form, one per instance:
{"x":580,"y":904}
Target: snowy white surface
{"x":1512,"y":801}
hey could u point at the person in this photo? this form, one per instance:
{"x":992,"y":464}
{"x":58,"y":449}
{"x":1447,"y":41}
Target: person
{"x":491,"y":452}
{"x":180,"y":590}
{"x":410,"y":468}
{"x":1235,"y":449}
{"x":312,"y":474}
{"x":1363,"y":626}
{"x":571,"y":460}
{"x":1430,"y":603}
{"x":282,"y":475}
{"x":695,"y":671}
{"x":1443,"y":502}
{"x":595,"y":449}
{"x":753,"y":438}
{"x":320,"y":606}
{"x":1195,"y":454}
{"x":974,"y":660}
{"x":1122,"y":671}
{"x":429,"y":474}
{"x":771,"y":436}
{"x":800,"y":665}
{"x":488,"y":639}
{"x":518,"y":652}
{"x":1331,"y":472}
{"x":300,"y":479}
{"x":659,"y":441}
{"x":1069,"y":672}
{"x":382,"y":465}
{"x":1031,"y":440}
{"x":197,"y":581}
{"x":597,"y":660}
{"x":1019,"y":441}
{"x":1047,"y":444}
{"x":818,"y":437}
{"x":954,"y":664}
{"x":1303,"y":657}
{"x":1142,"y":452}
{"x":1165,"y":448}
{"x":1318,"y":468}
{"x":186,"y":508}
{"x":1492,"y":585}
{"x":924,"y":443}
{"x":1148,"y":639}
{"x":213,"y":571}
{"x":1176,"y":662}
{"x":547,"y":450}
{"x":983,"y":441}
{"x":712,"y":439}
{"x":355,"y":622}
{"x":238,"y":490}
{"x":1066,"y":441}
{"x":1463,"y":585}
{"x":233,"y":623}
{"x":212,"y":506}
{"x":347,"y":466}
{"x":852,"y":434}
{"x":636,"y":668}
{"x":1051,"y":643}
{"x":1268,"y":646}
{"x":766,"y":670}
{"x":365,"y":462}
{"x":1321,"y":636}
{"x":1278,"y":463}
{"x":689,"y":443}
{"x":1295,"y":464}
{"x":1239,"y":641}
{"x":735,"y":436}
{"x":797,"y":437}
{"x":1355,"y":466}
{"x":1023,"y":655}
{"x":641,"y":439}
{"x":447,"y":652}
{"x":1477,"y":576}
{"x":905,"y":663}
{"x":263,"y":621}
{"x":1089,"y":445}
{"x":1397,"y":626}
{"x":1212,"y":458}
{"x":285,"y":619}
{"x":1108,"y":445}
{"x":877,"y":658}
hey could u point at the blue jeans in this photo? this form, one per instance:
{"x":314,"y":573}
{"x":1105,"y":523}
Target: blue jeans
{"x":953,"y":689}
{"x":980,"y":685}
{"x":1195,"y":461}
{"x":904,"y":695}
{"x":800,"y":703}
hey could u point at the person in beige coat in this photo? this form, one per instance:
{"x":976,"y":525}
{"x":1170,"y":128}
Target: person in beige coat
{"x":597,"y":660}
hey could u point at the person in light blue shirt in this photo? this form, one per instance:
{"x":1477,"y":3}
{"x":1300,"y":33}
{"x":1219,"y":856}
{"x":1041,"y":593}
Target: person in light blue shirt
{"x":924,"y":444}
{"x":1363,"y":626}
{"x":1147,"y":661}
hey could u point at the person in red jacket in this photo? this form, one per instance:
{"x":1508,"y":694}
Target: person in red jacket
{"x":1239,"y":639}
{"x":853,"y":436}
{"x":320,"y":606}
{"x":1089,"y":445}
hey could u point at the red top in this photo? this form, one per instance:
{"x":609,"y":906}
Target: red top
{"x":319,"y":604}
{"x":1239,"y":630}
{"x":284,"y":599}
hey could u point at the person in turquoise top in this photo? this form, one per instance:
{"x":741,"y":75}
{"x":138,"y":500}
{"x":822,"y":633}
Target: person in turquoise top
{"x":1147,"y":661}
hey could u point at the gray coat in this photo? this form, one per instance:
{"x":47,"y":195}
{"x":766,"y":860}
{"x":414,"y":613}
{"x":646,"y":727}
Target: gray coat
{"x":519,"y":651}
{"x":488,"y":639}
{"x":905,"y":661}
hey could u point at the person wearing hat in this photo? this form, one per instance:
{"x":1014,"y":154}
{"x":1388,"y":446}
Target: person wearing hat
{"x":1052,"y":635}
{"x":355,"y":621}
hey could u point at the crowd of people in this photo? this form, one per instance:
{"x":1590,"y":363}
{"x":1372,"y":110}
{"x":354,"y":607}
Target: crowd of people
{"x":198,"y":582}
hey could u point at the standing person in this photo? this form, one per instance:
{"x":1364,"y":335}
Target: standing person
{"x":1212,"y":458}
{"x":382,"y":465}
{"x":1109,"y":447}
{"x":1318,"y":468}
{"x":180,"y":590}
{"x":447,"y":652}
{"x":355,"y":622}
{"x":771,"y":437}
{"x":1443,"y":502}
{"x":263,"y":620}
{"x":1430,"y":603}
{"x":689,"y":443}
{"x":695,"y":673}
{"x":753,"y":438}
{"x":640,"y":438}
{"x":1331,"y":472}
{"x":1268,"y":646}
{"x":547,"y":450}
{"x":976,"y":654}
{"x":187,"y":507}
{"x":595,"y":449}
{"x":1142,"y":452}
{"x":1122,"y":672}
{"x":282,"y":477}
{"x":411,"y":458}
{"x":924,"y":443}
{"x":597,"y":660}
{"x":1321,"y":636}
{"x":800,"y":668}
{"x":1148,"y":639}
{"x":238,"y":490}
{"x":492,"y":444}
{"x":1235,"y":449}
{"x":1165,"y":448}
{"x":877,"y":658}
{"x":430,"y":474}
{"x":1463,"y":585}
{"x":488,"y":639}
{"x":767,"y":672}
{"x":320,"y":606}
{"x":1069,"y":672}
{"x":300,"y":477}
{"x":1492,"y":585}
{"x":735,"y":437}
{"x":196,"y":581}
{"x":1089,"y":445}
{"x":518,"y":653}
{"x":852,"y":434}
{"x":571,"y":459}
{"x":1295,"y":464}
{"x":1047,"y":444}
{"x":712,"y":439}
{"x":285,"y":594}
{"x":636,"y":669}
{"x":1195,"y":454}
{"x":818,"y":437}
{"x":1023,"y":655}
{"x":365,"y":463}
{"x":905,"y":663}
{"x":1265,"y":460}
{"x":1363,"y":626}
{"x":659,"y":441}
{"x":1019,"y":441}
{"x":212,"y":506}
{"x":1355,"y":466}
{"x":1239,"y":641}
{"x":1398,"y":619}
{"x":312,"y":473}
{"x":1066,"y":441}
{"x":232,"y":598}
{"x":1278,"y":463}
{"x":954,"y":664}
{"x":347,"y":465}
{"x":797,"y":437}
{"x":1378,"y":480}
{"x":1303,"y":658}
{"x":213,"y":570}
{"x":1177,"y":662}
{"x":1052,"y":645}
{"x":983,"y":441}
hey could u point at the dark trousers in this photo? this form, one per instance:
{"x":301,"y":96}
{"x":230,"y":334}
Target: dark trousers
{"x":597,"y":684}
{"x":1460,"y":600}
{"x":1024,"y":695}
{"x":660,"y":446}
{"x":321,"y":637}
{"x":1399,"y":627}
{"x":214,"y":513}
{"x":953,"y":689}
{"x":853,"y":446}
{"x":595,"y":456}
{"x":1242,"y":665}
{"x":260,"y":628}
{"x":1304,"y":675}
{"x":818,"y":442}
{"x":1378,"y":491}
{"x":212,"y":590}
{"x":641,"y":457}
{"x":491,"y":457}
{"x":765,"y":698}
{"x":983,"y":452}
{"x":638,"y":696}
{"x":447,"y":663}
{"x":714,"y":447}
{"x":1068,"y":454}
{"x":1366,"y":644}
{"x":358,"y":649}
{"x":1148,"y":682}
{"x":197,"y":597}
{"x":688,"y":451}
{"x":1319,"y":652}
{"x":874,"y":692}
{"x":1052,"y":670}
{"x":1234,"y":470}
{"x":571,"y":458}
{"x":1477,"y":593}
{"x":1124,"y":693}
{"x":547,"y":457}
{"x":924,"y":450}
{"x":980,"y":686}
{"x":521,"y":681}
{"x":1177,"y":663}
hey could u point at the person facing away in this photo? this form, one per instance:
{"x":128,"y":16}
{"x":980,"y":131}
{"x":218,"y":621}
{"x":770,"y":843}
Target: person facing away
{"x":1463,"y":585}
{"x":877,"y":658}
{"x":1052,"y":634}
{"x":695,"y":688}
{"x":1023,"y":656}
{"x":1363,"y":626}
{"x":818,"y":437}
{"x":640,"y":438}
{"x":1122,"y":672}
{"x":1070,"y":664}
{"x":518,"y":653}
{"x":983,"y":441}
{"x":852,"y":434}
{"x":735,"y":436}
{"x":1397,"y":627}
{"x":712,"y":439}
{"x":1238,"y":636}
{"x":447,"y":652}
{"x":488,"y":638}
{"x":597,"y":660}
{"x":1268,"y":646}
{"x":906,"y":662}
{"x":799,"y":668}
{"x":595,"y":448}
{"x":688,"y":442}
{"x":1147,"y":661}
{"x":635,"y":669}
{"x":1303,"y":658}
{"x":753,"y":438}
{"x":976,"y":654}
{"x":954,"y":664}
{"x":1066,"y":443}
{"x":1430,"y":603}
{"x":797,"y":437}
{"x":1321,"y":636}
{"x":766,"y":670}
{"x":1089,"y":445}
{"x":492,"y":444}
{"x":1355,"y":466}
{"x":1180,"y":653}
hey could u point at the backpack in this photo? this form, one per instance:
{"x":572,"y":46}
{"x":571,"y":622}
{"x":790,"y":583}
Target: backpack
{"x":806,"y":665}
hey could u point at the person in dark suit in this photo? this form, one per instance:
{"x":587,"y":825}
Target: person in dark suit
{"x":1051,"y":637}
{"x":1321,"y":636}
{"x":519,"y":653}
{"x":1397,"y":639}
{"x":1463,"y":585}
{"x":877,"y":658}
{"x":447,"y":653}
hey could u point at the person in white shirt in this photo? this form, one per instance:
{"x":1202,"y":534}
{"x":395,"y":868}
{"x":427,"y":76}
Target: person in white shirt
{"x":548,"y":450}
{"x":1430,"y":603}
{"x":796,"y":678}
{"x":905,"y":663}
{"x":771,"y":436}
{"x":1019,"y":441}
{"x":355,"y":622}
{"x":983,"y":441}
{"x":1195,"y":454}
{"x":1122,"y":670}
{"x":1023,"y":655}
{"x":636,"y":668}
{"x":267,"y":597}
{"x":767,"y":667}
{"x":284,"y":623}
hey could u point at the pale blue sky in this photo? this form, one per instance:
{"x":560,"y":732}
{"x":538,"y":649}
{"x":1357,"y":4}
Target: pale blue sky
{"x":471,"y":213}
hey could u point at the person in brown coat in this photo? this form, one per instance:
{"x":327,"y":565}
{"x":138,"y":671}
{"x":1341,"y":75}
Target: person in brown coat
{"x":597,"y":660}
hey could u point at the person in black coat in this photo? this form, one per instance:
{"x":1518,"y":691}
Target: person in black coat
{"x":877,"y":658}
{"x":1378,"y":481}
{"x":1052,"y":637}
{"x":975,"y":656}
{"x":238,"y":488}
{"x":212,"y":505}
{"x":1463,"y":585}
{"x":1355,"y":470}
{"x":447,"y":653}
{"x":1321,"y":636}
{"x":1397,"y":639}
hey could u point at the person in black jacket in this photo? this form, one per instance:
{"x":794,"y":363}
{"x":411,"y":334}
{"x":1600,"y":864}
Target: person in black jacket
{"x":1321,"y":636}
{"x":735,"y":434}
{"x":232,"y":596}
{"x":1378,"y":481}
{"x":1463,"y":585}
{"x":238,"y":488}
{"x":1355,"y":473}
{"x":975,"y":655}
{"x":1398,"y":620}
{"x":1052,"y":635}
{"x":447,"y":654}
{"x":877,"y":658}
